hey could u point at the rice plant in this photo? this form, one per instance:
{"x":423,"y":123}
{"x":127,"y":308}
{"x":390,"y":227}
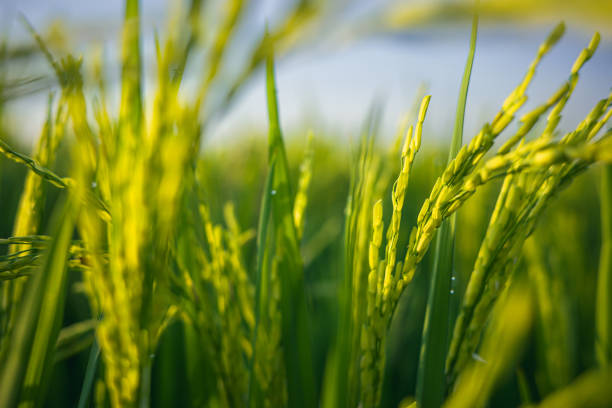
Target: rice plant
{"x":207,"y":281}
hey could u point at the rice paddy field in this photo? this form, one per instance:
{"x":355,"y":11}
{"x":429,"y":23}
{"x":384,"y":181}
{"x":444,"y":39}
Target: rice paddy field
{"x":141,"y":265}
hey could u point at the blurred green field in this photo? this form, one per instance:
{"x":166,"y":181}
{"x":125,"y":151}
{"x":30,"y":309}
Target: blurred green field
{"x":567,"y":239}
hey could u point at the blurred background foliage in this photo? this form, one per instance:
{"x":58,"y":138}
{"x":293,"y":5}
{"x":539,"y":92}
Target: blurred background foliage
{"x":564,"y":247}
{"x":404,"y":15}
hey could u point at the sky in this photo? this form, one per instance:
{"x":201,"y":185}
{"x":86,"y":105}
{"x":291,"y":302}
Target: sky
{"x":330,"y":85}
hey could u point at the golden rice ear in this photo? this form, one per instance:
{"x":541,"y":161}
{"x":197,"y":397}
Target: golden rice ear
{"x":539,"y":169}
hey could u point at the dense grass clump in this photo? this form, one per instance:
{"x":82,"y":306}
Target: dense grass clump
{"x":164,"y":275}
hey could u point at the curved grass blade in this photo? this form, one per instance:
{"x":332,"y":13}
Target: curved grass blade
{"x":74,"y":338}
{"x":39,"y":318}
{"x":90,"y":372}
{"x":281,"y":251}
{"x":430,"y":381}
{"x":262,"y":283}
{"x":31,"y":204}
{"x":342,"y":375}
{"x":296,"y":332}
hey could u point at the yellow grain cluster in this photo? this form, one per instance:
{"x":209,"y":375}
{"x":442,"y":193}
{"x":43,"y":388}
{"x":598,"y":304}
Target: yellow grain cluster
{"x":523,"y":196}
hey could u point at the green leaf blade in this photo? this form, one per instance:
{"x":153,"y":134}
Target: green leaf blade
{"x":603,"y":308}
{"x":296,"y":333}
{"x":431,"y":384}
{"x":40,"y":314}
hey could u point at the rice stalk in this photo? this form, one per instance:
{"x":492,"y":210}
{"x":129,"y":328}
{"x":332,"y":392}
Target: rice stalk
{"x":439,"y":202}
{"x":32,"y":201}
{"x":33,"y":165}
{"x":151,"y":249}
{"x":295,"y":323}
{"x":430,"y":380}
{"x":27,"y":358}
{"x":343,"y":370}
{"x":520,"y":202}
{"x":384,"y":273}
